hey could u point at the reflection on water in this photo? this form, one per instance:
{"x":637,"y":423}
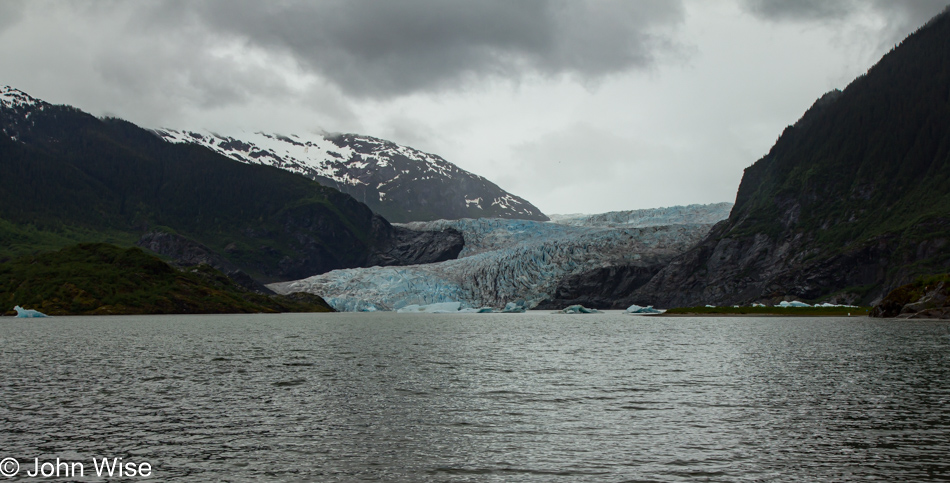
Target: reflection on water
{"x":491,"y":397}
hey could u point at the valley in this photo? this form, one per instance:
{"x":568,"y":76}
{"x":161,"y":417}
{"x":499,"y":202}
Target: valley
{"x":851,"y":202}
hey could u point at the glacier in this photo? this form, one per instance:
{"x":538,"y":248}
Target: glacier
{"x":507,"y":264}
{"x":672,"y":215}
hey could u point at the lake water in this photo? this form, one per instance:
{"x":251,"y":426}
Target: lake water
{"x":490,"y":397}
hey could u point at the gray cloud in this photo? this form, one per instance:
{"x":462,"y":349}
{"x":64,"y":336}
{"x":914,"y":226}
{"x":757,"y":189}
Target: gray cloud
{"x":902,"y":16}
{"x":118,"y":62}
{"x":381,"y":49}
{"x":799,"y":10}
{"x":10,"y":13}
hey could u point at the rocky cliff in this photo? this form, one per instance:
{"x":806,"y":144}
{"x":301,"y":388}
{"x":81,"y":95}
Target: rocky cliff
{"x":926,"y":298}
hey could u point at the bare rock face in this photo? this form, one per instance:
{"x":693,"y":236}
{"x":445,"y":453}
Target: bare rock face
{"x":724,"y":270}
{"x":603,"y":287}
{"x":183,"y":251}
{"x":924,"y":299}
{"x":411,"y":247}
{"x":186,"y":253}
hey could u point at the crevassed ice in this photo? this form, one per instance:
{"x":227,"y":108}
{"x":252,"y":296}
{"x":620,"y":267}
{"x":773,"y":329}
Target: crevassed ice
{"x":673,"y":215}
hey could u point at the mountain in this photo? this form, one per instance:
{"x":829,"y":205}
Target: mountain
{"x":398,"y":182}
{"x":852,"y":201}
{"x":523,"y":261}
{"x":100,"y":279}
{"x":70,"y":177}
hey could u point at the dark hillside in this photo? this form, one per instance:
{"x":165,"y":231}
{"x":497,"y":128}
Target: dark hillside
{"x":851,"y":201}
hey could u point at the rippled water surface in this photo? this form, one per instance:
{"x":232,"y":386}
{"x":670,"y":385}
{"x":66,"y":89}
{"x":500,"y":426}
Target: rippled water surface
{"x":490,"y":397}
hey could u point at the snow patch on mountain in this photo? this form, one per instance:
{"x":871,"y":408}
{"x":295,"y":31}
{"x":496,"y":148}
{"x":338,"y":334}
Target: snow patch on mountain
{"x":316,"y":156}
{"x":397,"y":181}
{"x":14,"y":98}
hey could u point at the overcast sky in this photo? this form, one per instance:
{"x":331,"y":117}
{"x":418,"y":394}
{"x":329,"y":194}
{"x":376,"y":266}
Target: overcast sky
{"x":577,"y":106}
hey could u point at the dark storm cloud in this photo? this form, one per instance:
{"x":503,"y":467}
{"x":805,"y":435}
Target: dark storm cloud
{"x":385,"y":48}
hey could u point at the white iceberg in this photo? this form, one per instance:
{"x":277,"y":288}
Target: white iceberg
{"x":481,"y":310}
{"x":437,"y":308}
{"x":793,"y":303}
{"x":636,"y":309}
{"x":514,"y":307}
{"x":27,"y":313}
{"x":578,"y":309}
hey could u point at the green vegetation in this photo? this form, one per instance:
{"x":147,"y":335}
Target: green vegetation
{"x":17,"y":240}
{"x":97,"y":278}
{"x":786,"y":311}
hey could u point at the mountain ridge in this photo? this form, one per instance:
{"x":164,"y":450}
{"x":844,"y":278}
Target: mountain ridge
{"x":401,"y":183}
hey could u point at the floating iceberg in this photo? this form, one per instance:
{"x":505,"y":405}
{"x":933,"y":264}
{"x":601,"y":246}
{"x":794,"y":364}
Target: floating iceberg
{"x":27,"y":313}
{"x":514,"y":307}
{"x":578,"y":309}
{"x":439,"y":308}
{"x":482,"y":310}
{"x":443,"y":308}
{"x":636,"y":309}
{"x":793,"y":303}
